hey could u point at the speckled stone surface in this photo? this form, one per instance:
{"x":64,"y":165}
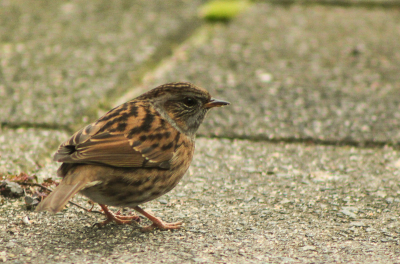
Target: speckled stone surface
{"x":27,"y":149}
{"x":241,"y":202}
{"x":60,"y":60}
{"x":320,"y":75}
{"x":300,"y":72}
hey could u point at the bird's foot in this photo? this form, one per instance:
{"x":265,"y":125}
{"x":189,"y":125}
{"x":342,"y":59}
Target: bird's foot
{"x":117,"y":218}
{"x":157,"y":222}
{"x":162,"y":225}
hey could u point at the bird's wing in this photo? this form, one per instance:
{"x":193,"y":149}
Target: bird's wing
{"x":131,"y":135}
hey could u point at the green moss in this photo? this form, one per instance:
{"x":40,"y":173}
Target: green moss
{"x":222,"y":10}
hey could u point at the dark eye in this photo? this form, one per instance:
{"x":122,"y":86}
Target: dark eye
{"x":189,"y":101}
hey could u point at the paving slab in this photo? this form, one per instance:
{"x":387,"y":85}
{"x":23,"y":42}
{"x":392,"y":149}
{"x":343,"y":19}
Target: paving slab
{"x":241,"y":202}
{"x":325,"y":73}
{"x":60,"y":60}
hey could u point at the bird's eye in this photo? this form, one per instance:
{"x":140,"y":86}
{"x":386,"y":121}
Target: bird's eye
{"x":188,"y":101}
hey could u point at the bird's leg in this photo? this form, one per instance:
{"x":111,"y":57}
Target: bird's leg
{"x":157,"y":222}
{"x":91,"y":203}
{"x":119,"y":219}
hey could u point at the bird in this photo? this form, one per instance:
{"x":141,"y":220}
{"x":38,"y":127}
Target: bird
{"x":135,"y":153}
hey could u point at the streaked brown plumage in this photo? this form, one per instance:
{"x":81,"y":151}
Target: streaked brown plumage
{"x":135,"y":153}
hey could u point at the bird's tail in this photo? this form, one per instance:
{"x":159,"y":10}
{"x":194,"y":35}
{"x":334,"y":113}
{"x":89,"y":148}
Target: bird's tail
{"x":56,"y":201}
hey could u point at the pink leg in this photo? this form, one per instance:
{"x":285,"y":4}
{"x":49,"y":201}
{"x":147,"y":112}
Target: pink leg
{"x":157,"y":222}
{"x":119,"y":219}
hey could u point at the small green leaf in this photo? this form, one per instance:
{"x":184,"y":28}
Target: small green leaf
{"x":222,"y":10}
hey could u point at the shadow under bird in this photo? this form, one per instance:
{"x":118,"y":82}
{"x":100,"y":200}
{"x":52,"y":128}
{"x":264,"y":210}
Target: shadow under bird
{"x":135,"y":153}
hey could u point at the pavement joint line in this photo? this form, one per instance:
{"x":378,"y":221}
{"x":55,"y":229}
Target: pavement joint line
{"x":308,"y":141}
{"x":311,"y":141}
{"x":343,"y":3}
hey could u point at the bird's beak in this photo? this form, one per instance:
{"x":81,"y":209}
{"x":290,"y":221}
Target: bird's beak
{"x":216,"y":103}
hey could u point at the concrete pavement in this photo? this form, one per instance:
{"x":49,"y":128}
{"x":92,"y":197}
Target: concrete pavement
{"x":303,"y":167}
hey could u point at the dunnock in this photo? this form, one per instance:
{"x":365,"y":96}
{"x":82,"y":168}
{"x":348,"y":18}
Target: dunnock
{"x":135,"y":153}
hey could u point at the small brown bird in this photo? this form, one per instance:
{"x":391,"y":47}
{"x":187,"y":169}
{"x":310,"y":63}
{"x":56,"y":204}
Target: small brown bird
{"x":135,"y":153}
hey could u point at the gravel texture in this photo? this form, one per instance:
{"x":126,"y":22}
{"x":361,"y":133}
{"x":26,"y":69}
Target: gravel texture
{"x":242,"y":202}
